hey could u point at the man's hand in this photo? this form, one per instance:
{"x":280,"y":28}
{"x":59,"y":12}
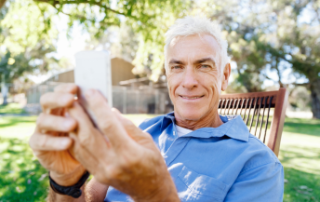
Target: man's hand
{"x":120,"y":154}
{"x":50,"y":142}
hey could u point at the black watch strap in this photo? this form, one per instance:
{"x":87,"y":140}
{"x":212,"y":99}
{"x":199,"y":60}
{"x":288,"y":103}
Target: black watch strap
{"x":73,"y":190}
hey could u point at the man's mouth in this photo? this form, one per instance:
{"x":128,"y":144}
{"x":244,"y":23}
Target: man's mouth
{"x":191,"y":97}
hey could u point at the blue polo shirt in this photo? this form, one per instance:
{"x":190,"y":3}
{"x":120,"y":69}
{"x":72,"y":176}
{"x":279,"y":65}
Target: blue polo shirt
{"x":226,"y":163}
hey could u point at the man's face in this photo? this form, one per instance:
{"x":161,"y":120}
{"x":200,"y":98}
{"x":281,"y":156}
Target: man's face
{"x":195,"y":78}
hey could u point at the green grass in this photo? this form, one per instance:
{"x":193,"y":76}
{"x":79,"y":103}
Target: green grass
{"x":300,"y":156}
{"x":17,"y":127}
{"x":12,"y":108}
{"x":23,"y":179}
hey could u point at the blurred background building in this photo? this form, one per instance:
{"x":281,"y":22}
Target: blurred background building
{"x":130,"y":94}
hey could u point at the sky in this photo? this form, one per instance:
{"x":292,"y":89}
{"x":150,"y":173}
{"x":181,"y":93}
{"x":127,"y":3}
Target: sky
{"x":66,"y":47}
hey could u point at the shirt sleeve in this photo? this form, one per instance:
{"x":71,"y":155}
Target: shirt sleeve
{"x":263,"y":183}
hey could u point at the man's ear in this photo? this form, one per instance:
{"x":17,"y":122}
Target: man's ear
{"x":225,"y":76}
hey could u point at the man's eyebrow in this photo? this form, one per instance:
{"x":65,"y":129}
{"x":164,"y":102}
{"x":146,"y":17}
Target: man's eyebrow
{"x":205,"y":60}
{"x":174,"y":61}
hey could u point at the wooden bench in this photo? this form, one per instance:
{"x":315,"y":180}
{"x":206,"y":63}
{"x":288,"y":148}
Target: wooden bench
{"x":257,"y":109}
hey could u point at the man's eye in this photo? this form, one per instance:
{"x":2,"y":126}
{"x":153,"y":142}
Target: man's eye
{"x":176,"y":67}
{"x":205,"y":66}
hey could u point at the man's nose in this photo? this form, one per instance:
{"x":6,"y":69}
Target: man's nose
{"x":190,"y":78}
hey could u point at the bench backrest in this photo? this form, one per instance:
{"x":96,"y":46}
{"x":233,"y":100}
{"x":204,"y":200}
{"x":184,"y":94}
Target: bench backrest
{"x":257,"y":109}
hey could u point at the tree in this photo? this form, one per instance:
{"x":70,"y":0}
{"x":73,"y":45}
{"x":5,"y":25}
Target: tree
{"x":278,"y":36}
{"x":265,"y":36}
{"x":149,"y":19}
{"x":25,"y":41}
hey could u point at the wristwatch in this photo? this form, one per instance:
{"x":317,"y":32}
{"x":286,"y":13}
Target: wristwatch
{"x":73,"y":191}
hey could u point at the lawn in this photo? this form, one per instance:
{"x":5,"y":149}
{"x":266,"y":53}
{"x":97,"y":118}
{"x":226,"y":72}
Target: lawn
{"x":13,"y":108}
{"x":300,"y":156}
{"x":23,"y":179}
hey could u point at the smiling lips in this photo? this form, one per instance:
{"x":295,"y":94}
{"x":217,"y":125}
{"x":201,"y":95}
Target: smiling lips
{"x":186,"y":97}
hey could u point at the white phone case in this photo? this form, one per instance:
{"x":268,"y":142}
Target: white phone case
{"x":93,"y":71}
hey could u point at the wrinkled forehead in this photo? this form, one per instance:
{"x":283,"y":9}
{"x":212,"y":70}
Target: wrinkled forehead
{"x":193,"y":47}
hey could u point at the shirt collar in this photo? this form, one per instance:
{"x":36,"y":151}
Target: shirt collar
{"x":233,"y":127}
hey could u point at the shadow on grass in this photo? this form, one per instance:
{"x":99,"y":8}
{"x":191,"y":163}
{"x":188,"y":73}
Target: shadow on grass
{"x":295,"y":152}
{"x":301,"y":169}
{"x":12,"y":108}
{"x":301,"y":186}
{"x":302,"y":126}
{"x":22,"y":178}
{"x":12,"y":121}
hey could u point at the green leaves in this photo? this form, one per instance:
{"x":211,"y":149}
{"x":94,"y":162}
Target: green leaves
{"x":26,"y":36}
{"x":149,"y":19}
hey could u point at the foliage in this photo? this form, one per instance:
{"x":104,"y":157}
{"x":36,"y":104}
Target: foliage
{"x":300,"y":98}
{"x":121,"y":41}
{"x":26,"y":38}
{"x":149,"y":19}
{"x":273,"y":36}
{"x":267,"y":38}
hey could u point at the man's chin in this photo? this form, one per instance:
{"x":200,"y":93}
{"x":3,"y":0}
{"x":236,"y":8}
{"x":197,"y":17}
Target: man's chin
{"x":189,"y":115}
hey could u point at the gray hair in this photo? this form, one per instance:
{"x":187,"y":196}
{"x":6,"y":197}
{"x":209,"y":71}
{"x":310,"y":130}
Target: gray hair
{"x":195,"y":25}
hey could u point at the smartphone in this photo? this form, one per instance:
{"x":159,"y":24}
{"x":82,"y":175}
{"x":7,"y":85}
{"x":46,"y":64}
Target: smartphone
{"x":93,"y":71}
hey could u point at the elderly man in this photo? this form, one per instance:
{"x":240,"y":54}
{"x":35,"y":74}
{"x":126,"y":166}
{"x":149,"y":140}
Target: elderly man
{"x":191,"y":154}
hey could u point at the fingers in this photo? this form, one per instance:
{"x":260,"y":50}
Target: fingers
{"x":88,"y":136}
{"x":85,"y":126}
{"x":44,"y":142}
{"x":85,"y":157}
{"x":63,"y":96}
{"x":67,"y":88}
{"x":106,"y":120}
{"x":90,"y":147}
{"x":49,"y":122}
{"x":56,"y":100}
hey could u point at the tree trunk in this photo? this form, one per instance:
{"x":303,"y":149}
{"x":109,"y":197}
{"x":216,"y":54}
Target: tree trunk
{"x":4,"y":92}
{"x":315,"y":98}
{"x":2,"y":3}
